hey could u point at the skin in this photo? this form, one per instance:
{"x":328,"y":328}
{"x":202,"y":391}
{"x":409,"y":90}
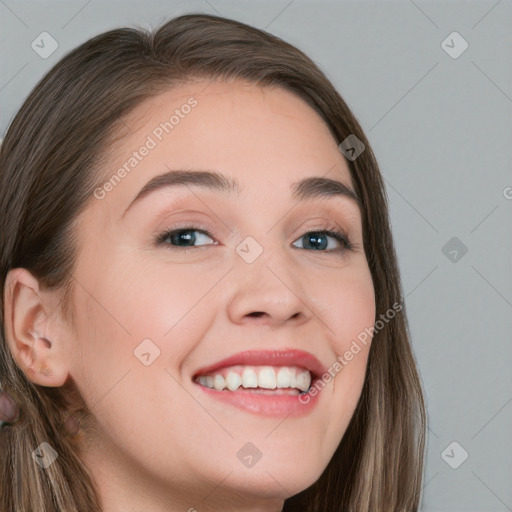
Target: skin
{"x":160,"y":443}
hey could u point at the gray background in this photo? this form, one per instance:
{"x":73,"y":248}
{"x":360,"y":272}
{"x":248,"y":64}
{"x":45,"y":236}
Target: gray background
{"x":441,"y":130}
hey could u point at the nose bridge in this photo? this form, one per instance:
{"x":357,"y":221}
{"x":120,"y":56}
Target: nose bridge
{"x":266,"y":284}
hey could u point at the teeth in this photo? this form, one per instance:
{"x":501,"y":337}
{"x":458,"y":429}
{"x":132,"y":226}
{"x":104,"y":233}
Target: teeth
{"x":285,"y":378}
{"x":233,"y":381}
{"x":249,"y":378}
{"x":265,"y":377}
{"x":219,"y":383}
{"x":303,"y":380}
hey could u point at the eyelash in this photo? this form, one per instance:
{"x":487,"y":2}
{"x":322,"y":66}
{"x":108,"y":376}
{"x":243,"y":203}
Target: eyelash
{"x":330,"y":230}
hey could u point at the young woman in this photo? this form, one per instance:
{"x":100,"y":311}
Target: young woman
{"x":202,"y":308}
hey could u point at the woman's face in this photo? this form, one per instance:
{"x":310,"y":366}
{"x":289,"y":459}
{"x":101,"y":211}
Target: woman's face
{"x":250,"y":272}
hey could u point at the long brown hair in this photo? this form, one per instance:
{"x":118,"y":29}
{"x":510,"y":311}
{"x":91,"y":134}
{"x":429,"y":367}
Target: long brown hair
{"x":50,"y":164}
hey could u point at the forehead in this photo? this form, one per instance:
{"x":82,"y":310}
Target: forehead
{"x":265,"y":138}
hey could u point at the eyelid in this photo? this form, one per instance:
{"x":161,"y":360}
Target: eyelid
{"x":318,"y":218}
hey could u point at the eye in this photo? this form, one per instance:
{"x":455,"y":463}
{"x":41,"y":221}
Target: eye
{"x":186,"y":236}
{"x":318,"y":241}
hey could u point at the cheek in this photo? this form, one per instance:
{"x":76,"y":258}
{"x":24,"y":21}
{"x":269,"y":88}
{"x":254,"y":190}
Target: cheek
{"x":137,"y":323}
{"x":349,"y":306}
{"x":156,"y":299}
{"x":350,"y":314}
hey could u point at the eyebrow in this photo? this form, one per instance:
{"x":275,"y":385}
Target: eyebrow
{"x":307,"y":188}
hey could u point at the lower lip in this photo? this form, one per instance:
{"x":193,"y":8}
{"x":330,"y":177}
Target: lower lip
{"x":265,"y":404}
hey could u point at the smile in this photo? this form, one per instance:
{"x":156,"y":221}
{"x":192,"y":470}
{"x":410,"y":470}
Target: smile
{"x":263,"y":382}
{"x":259,"y":378}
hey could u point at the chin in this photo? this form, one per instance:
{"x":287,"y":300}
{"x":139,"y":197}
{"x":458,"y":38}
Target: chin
{"x":273,"y":481}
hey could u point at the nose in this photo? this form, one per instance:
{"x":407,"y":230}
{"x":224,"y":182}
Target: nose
{"x":267,"y":291}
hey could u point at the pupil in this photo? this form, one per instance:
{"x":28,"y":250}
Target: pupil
{"x":185,"y":235}
{"x":317,"y":244}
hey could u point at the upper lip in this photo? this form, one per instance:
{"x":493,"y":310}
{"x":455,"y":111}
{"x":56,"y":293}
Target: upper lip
{"x":282,"y":357}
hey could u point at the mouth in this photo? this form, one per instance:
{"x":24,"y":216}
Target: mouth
{"x":263,"y":382}
{"x":290,"y":380}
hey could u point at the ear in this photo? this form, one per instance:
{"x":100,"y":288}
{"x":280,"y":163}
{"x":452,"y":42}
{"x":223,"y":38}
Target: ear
{"x":34,"y":337}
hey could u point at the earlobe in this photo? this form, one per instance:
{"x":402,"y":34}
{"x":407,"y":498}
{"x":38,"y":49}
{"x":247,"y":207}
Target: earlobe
{"x":28,"y":330}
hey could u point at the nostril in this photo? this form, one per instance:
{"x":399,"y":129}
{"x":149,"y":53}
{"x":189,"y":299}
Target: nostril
{"x":256,"y":313}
